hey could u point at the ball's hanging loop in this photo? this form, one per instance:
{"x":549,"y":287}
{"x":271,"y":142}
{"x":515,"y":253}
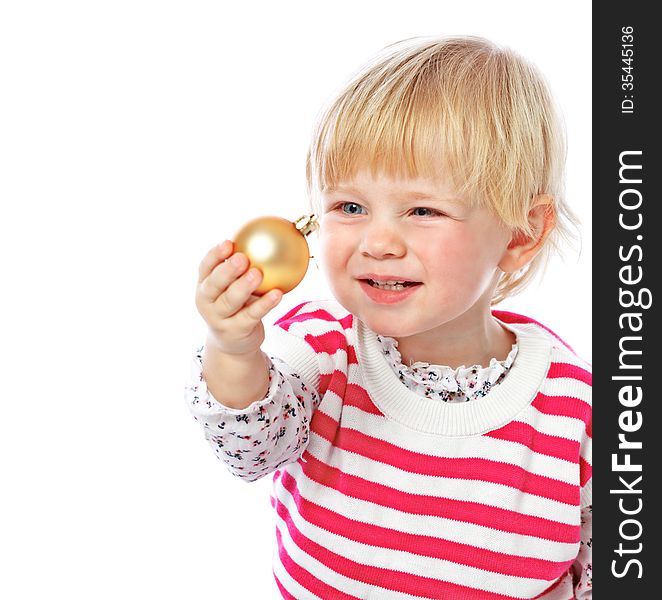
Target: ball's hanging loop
{"x":307,"y":224}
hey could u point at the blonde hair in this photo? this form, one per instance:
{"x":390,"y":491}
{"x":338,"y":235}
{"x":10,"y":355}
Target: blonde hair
{"x":459,"y":105}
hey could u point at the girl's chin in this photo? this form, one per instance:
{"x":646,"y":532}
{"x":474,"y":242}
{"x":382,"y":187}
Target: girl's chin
{"x":387,"y":328}
{"x":388,"y":323}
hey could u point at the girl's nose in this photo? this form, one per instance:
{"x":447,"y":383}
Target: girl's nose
{"x":379,"y":241}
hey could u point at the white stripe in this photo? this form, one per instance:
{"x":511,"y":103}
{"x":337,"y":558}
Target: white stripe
{"x":532,"y":329}
{"x":587,"y":450}
{"x":483,"y":492}
{"x":462,"y":532}
{"x":483,"y":447}
{"x":567,"y":386}
{"x":406,"y":562}
{"x":289,"y":344}
{"x":313,"y":326}
{"x":333,"y":307}
{"x":290,"y":584}
{"x":563,"y":355}
{"x":555,"y":425}
{"x":587,"y":493}
{"x":324,"y":573}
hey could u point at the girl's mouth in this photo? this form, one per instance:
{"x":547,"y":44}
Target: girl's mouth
{"x":388,"y":292}
{"x":391,"y":285}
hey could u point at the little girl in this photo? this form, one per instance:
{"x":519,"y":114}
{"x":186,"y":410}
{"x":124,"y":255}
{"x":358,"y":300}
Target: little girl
{"x":423,"y":445}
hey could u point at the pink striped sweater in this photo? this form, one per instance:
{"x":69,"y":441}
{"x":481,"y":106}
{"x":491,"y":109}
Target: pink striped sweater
{"x":381,"y":493}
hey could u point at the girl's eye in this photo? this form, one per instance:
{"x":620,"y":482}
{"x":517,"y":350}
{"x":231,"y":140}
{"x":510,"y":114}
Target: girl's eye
{"x":351,"y":212}
{"x":431,"y":211}
{"x":354,"y":209}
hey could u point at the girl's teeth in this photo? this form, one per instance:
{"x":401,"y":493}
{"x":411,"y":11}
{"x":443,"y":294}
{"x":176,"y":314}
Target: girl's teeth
{"x":388,"y":286}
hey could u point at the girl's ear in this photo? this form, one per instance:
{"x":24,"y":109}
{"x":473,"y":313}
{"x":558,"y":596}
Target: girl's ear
{"x":522,"y":248}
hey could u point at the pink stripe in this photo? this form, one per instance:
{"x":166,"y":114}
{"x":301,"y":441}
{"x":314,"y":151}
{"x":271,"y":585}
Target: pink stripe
{"x":302,"y":576}
{"x":337,"y":383}
{"x":387,"y":579}
{"x":283,"y":592}
{"x":542,"y":443}
{"x":351,"y":394}
{"x":351,"y":356}
{"x":552,"y":588}
{"x":564,"y":406}
{"x":347,"y":322}
{"x":422,"y":545}
{"x":289,"y":315}
{"x":327,"y":343}
{"x":585,"y":471}
{"x":567,"y":370}
{"x":323,"y":315}
{"x":357,"y":396}
{"x":476,"y":513}
{"x":480,"y":469}
{"x":325,"y":380}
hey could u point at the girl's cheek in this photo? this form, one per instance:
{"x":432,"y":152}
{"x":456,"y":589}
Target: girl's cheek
{"x":450,"y":247}
{"x":331,"y":235}
{"x":329,"y":245}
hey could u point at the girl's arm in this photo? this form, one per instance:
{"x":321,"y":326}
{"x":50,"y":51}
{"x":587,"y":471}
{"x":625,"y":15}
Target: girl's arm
{"x":236,"y":381}
{"x":271,"y":431}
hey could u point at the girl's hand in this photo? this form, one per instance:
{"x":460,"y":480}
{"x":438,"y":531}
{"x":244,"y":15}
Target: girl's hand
{"x":224,"y":299}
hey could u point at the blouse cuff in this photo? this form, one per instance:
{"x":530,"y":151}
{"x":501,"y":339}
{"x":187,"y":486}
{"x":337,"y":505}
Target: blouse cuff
{"x":202,"y":402}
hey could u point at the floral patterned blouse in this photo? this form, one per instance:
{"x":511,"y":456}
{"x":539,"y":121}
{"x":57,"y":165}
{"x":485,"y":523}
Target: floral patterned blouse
{"x":439,"y":382}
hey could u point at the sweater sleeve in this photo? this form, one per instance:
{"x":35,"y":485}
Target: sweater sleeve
{"x":582,"y":569}
{"x":270,"y":432}
{"x":583,"y":566}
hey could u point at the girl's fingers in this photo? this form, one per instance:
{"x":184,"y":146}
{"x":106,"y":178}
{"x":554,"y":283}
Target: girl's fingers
{"x":226,"y":284}
{"x":222,"y":277}
{"x":257,"y":308}
{"x":237,"y":293}
{"x":215,"y":256}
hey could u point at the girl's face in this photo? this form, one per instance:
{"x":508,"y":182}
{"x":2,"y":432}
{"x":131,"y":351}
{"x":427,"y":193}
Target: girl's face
{"x":416,"y":230}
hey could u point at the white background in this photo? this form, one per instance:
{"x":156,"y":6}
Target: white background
{"x":134,"y":136}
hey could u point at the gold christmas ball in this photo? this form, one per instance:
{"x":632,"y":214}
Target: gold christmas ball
{"x":278,"y":248}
